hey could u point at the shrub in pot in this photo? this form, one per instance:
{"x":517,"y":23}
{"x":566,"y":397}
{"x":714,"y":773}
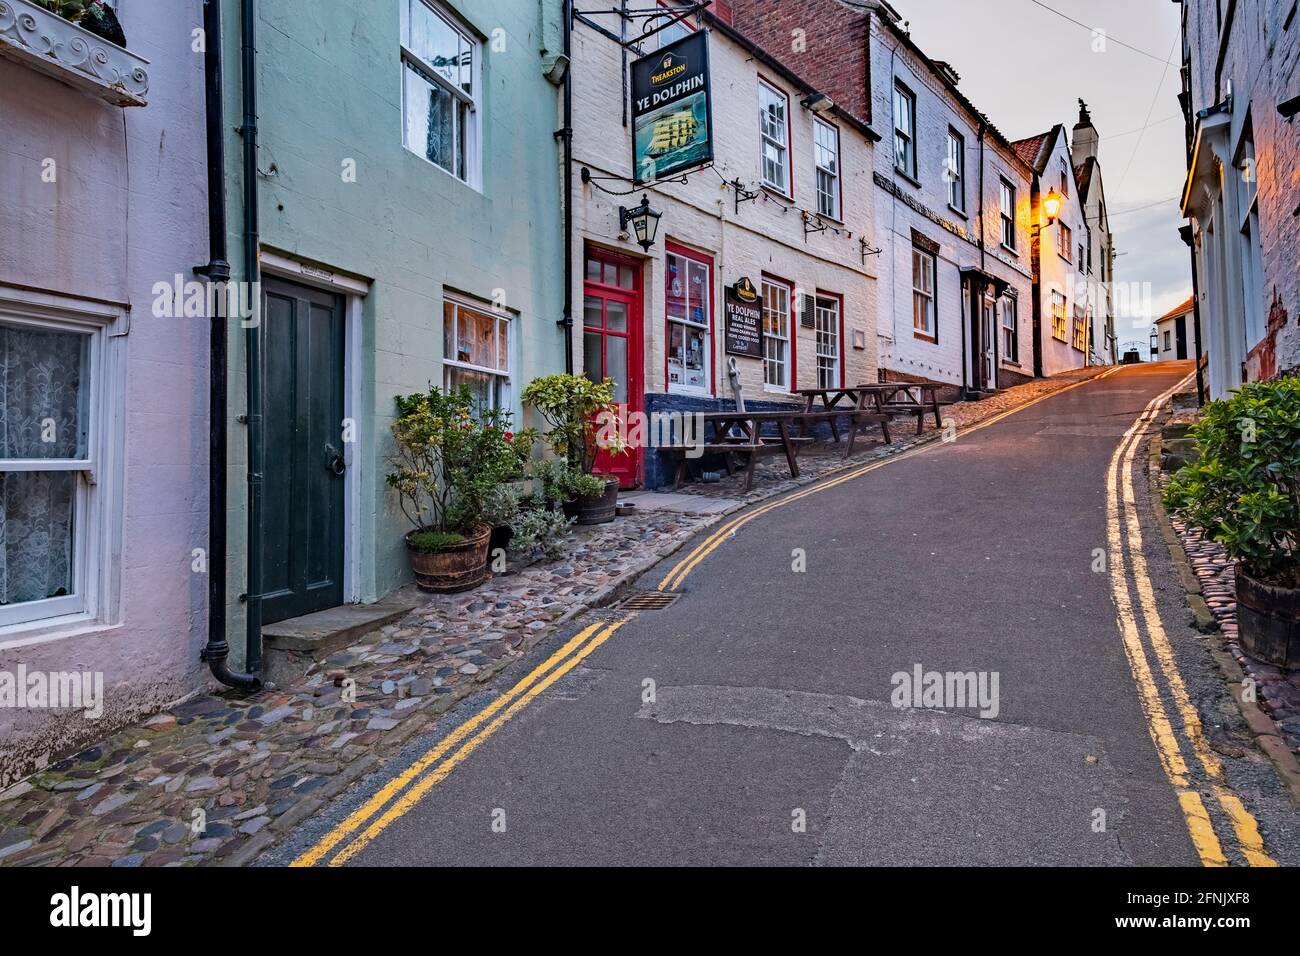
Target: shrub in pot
{"x":451,"y":457}
{"x":572,"y":405}
{"x":1244,"y":492}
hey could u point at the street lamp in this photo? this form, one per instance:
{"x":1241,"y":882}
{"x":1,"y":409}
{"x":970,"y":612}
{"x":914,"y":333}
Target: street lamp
{"x":644,"y":220}
{"x":1052,"y":206}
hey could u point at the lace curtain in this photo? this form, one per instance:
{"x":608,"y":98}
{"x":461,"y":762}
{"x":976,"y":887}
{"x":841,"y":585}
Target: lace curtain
{"x":42,"y":415}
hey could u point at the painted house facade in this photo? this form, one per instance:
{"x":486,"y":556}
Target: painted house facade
{"x":1174,"y":335}
{"x":1240,"y":99}
{"x":1103,"y":346}
{"x":1062,"y":295}
{"x":103,"y":386}
{"x":407,"y":187}
{"x":787,"y":205}
{"x":952,"y":204}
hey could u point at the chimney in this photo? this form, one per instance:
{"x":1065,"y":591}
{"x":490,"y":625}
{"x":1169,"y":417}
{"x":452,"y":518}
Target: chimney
{"x":1084,"y":142}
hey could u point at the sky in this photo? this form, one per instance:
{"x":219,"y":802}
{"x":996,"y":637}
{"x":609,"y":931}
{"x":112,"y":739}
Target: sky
{"x":1027,"y":67}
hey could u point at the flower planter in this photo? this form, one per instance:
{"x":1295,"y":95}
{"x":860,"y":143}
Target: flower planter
{"x":458,"y":568}
{"x":1268,"y":620}
{"x":596,"y":509}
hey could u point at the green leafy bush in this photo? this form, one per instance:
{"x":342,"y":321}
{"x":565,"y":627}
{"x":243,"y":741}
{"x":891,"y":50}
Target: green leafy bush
{"x":570,"y":404}
{"x":539,"y":528}
{"x":1244,"y":492}
{"x":451,"y":456}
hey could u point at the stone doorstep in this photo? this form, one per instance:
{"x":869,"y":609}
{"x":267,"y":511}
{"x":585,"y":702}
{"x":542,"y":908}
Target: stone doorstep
{"x":316,"y":636}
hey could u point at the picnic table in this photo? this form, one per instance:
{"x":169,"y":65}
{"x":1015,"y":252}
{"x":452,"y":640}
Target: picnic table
{"x":917,"y":398}
{"x":730,"y":433}
{"x":860,"y":407}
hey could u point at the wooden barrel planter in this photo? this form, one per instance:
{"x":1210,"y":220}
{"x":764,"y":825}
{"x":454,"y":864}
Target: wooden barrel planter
{"x":1268,"y":620}
{"x":459,"y":567}
{"x":597,"y":509}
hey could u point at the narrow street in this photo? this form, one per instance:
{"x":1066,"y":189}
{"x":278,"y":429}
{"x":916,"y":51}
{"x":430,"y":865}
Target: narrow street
{"x":750,"y":722}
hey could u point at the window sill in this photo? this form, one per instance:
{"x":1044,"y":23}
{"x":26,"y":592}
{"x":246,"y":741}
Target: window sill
{"x":776,"y":191}
{"x":1011,"y":249}
{"x":52,"y":629}
{"x":898,"y":171}
{"x":49,"y":44}
{"x":932,"y":339}
{"x":959,"y":212}
{"x":690,"y":390}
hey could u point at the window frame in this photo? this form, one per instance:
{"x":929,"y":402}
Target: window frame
{"x":909,"y":135}
{"x":505,"y":385}
{"x":1010,"y":306}
{"x":1061,"y":320}
{"x":767,"y":280}
{"x":98,"y":505}
{"x":820,"y":296}
{"x":661,"y":38}
{"x":837,"y":214}
{"x":408,"y":59}
{"x":787,"y":148}
{"x":1007,"y":214}
{"x":957,"y":176}
{"x":690,"y":255}
{"x":1064,"y":242}
{"x":931,"y":335}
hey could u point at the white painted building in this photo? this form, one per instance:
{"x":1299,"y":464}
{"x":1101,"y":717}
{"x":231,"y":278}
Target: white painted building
{"x":1103,"y":348}
{"x":788,"y":204}
{"x":1175,"y":335}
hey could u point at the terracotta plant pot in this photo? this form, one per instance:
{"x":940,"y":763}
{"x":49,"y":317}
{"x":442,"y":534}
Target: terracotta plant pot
{"x":596,"y":509}
{"x":1268,"y":620}
{"x":457,"y":568}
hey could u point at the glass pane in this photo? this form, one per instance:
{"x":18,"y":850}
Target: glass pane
{"x":435,"y":42}
{"x":430,"y":121}
{"x":676,"y":287}
{"x":448,"y":330}
{"x":503,"y":345}
{"x":593,"y":270}
{"x":591,"y":311}
{"x":592,"y":362}
{"x":675,"y":354}
{"x":626,"y":277}
{"x":36,"y":525}
{"x":611,"y":274}
{"x":616,"y":365}
{"x":43,"y":393}
{"x":476,"y":339}
{"x":482,"y":386}
{"x":616,"y":316}
{"x":699,"y":293}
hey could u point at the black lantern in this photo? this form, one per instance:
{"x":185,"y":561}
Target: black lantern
{"x":644,"y":220}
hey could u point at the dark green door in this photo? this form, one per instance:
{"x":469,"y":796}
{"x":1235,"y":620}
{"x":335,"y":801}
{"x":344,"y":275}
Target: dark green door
{"x":302,"y":426}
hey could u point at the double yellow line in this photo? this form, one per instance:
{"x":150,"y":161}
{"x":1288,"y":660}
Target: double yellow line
{"x":1121,"y":521}
{"x":369,"y":820}
{"x":399,"y":795}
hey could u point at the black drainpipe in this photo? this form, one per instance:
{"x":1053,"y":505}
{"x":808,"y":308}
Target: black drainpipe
{"x":566,"y":134}
{"x":217,"y":271}
{"x":252,"y":270}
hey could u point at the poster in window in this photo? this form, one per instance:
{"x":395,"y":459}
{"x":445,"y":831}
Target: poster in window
{"x":672,"y":116}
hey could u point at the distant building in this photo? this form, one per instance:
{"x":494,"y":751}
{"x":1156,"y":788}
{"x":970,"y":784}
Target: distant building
{"x":1241,"y":93}
{"x":1175,"y":334}
{"x":1100,"y":253}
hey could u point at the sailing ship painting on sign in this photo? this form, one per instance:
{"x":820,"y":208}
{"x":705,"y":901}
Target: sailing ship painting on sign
{"x":672,"y":128}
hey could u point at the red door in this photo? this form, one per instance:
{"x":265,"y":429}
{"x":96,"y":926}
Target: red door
{"x":611,"y":340}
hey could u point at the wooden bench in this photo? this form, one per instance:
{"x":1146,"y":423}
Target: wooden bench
{"x":858,"y":420}
{"x":749,"y":442}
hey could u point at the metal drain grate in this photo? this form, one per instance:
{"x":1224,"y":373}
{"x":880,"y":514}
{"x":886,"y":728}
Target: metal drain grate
{"x":648,"y":601}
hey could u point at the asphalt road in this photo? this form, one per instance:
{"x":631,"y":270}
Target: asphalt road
{"x":753,"y":721}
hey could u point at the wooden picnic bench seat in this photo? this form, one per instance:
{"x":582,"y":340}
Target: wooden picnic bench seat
{"x":858,"y":420}
{"x":919,"y":409}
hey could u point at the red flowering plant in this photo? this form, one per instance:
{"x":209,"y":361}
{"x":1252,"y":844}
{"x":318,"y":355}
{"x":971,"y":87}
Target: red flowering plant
{"x":452,"y":453}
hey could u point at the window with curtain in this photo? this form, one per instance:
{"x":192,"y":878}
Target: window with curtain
{"x":440,"y":89}
{"x":826,"y":154}
{"x":828,"y":341}
{"x":776,"y":335}
{"x":923,"y":312}
{"x":688,"y":311}
{"x":1059,"y":318}
{"x":476,"y":352}
{"x":773,"y":118}
{"x":45,"y":464}
{"x":904,"y":130}
{"x":1010,"y":329}
{"x":955,"y":172}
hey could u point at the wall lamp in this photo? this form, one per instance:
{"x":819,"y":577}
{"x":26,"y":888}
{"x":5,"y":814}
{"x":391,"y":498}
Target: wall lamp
{"x":818,"y":103}
{"x":644,"y":220}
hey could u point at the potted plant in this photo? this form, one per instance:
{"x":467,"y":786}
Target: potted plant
{"x":1244,"y":492}
{"x":95,"y":16}
{"x":571,"y":405}
{"x":451,"y":456}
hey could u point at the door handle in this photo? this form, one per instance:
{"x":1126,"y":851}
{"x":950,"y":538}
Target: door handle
{"x":335,"y":462}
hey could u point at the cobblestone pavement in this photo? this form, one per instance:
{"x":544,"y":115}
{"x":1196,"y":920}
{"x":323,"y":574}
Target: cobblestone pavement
{"x":219,"y":778}
{"x":1278,"y":690}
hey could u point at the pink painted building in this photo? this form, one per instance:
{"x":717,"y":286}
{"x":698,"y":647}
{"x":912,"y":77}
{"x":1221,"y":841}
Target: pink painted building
{"x":103,"y":401}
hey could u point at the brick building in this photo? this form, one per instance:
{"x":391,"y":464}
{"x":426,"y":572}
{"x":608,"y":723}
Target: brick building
{"x":786,"y":204}
{"x":1241,"y":94}
{"x":953,"y":200}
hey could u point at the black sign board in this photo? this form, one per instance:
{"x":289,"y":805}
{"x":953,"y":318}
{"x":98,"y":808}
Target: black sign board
{"x":672,"y":114}
{"x":744,"y":315}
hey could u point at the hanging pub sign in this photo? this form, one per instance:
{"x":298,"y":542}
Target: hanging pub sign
{"x":744,"y":320}
{"x":672,"y":115}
